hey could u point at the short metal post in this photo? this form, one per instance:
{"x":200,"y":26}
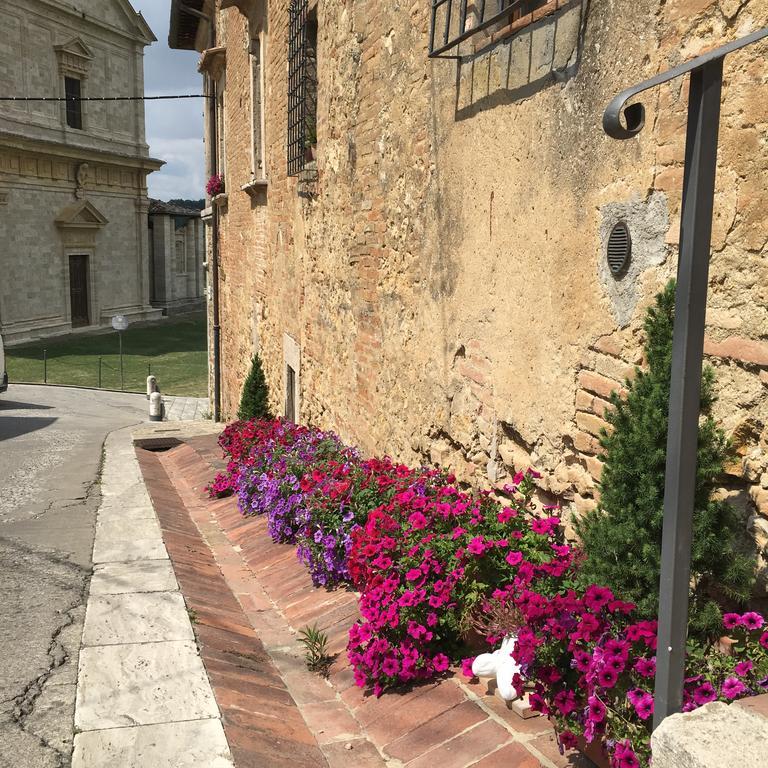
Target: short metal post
{"x":122,"y":378}
{"x":685,"y":391}
{"x":45,"y":366}
{"x":99,"y":372}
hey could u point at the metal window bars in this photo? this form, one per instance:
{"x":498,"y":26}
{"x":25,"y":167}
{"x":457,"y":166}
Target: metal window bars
{"x":302,"y":85}
{"x":461,"y":19}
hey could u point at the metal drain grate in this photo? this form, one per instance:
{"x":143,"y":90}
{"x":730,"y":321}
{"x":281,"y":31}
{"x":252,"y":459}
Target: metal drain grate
{"x":619,"y":248}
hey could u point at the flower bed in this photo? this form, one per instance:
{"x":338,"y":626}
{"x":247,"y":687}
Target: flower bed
{"x":433,"y":563}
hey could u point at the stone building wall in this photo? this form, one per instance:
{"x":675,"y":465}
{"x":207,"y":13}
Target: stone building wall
{"x":67,"y":190}
{"x":444,"y":278}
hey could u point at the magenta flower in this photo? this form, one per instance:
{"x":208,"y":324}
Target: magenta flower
{"x":764,"y":640}
{"x":733,"y":687}
{"x":642,"y":701}
{"x":607,"y":677}
{"x":595,"y":710}
{"x":752,"y":621}
{"x":476,"y":546}
{"x":390,"y":666}
{"x":568,"y":740}
{"x":596,"y":597}
{"x":645,"y":667}
{"x":743,"y":668}
{"x":514,"y":558}
{"x":417,"y":521}
{"x":440,"y":662}
{"x":466,"y":667}
{"x":731,"y":620}
{"x":704,"y":694}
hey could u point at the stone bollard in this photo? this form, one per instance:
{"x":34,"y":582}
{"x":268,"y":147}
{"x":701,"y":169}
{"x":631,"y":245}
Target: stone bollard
{"x":151,"y":385}
{"x":155,"y":407}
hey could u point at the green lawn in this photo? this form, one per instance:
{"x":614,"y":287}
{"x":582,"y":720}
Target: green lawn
{"x":174,"y":349}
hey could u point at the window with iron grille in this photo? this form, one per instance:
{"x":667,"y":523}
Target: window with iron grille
{"x":454,"y":21}
{"x":302,"y":86}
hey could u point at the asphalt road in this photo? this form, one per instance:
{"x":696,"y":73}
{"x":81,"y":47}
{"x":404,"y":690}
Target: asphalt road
{"x":50,"y":454}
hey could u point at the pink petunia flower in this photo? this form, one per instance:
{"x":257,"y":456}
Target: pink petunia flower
{"x":595,"y":710}
{"x":731,"y":620}
{"x":743,"y":668}
{"x":752,"y":621}
{"x":704,"y":694}
{"x":733,"y":687}
{"x":514,"y":558}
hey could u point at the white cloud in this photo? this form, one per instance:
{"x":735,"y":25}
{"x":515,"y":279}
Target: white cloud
{"x":174,"y":128}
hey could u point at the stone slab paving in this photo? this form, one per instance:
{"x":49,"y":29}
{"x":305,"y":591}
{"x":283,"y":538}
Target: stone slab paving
{"x":143,"y":696}
{"x":450,"y":723}
{"x":186,"y":408}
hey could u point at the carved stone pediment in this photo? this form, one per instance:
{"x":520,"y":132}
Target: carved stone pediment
{"x":74,"y":57}
{"x":81,"y":215}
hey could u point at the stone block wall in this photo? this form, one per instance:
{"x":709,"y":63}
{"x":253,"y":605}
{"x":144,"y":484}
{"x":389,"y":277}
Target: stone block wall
{"x":444,"y":275}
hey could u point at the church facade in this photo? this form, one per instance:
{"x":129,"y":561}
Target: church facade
{"x":74,"y":247}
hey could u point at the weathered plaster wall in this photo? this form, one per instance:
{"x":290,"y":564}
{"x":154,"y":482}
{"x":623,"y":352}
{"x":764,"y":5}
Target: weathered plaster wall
{"x":444,"y":275}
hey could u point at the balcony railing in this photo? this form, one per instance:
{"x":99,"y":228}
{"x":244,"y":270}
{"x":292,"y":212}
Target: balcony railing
{"x":454,"y":21}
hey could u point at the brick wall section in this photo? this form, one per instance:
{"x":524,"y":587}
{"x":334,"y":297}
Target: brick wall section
{"x":442,"y":276}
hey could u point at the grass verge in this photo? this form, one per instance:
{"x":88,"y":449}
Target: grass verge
{"x":173,"y":350}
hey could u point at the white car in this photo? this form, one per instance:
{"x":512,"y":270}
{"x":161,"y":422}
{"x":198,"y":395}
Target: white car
{"x":4,"y":379}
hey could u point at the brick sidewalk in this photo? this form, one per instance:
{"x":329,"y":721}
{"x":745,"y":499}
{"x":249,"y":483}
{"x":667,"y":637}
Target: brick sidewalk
{"x":256,"y":600}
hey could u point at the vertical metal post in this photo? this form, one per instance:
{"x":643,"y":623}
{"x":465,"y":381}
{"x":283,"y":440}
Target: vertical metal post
{"x":685,"y":392}
{"x":45,"y":366}
{"x":149,"y":369}
{"x":99,"y":371}
{"x":122,"y":378}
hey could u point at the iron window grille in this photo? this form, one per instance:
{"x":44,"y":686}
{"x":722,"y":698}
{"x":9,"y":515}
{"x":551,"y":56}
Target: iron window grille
{"x":454,"y":21}
{"x":302,"y":85}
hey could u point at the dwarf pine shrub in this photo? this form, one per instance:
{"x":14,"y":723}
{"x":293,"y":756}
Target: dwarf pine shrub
{"x":622,"y":537}
{"x":254,"y":399}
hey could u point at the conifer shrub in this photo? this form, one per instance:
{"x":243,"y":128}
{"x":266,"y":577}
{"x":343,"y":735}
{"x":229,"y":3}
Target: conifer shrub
{"x":622,"y":537}
{"x":254,"y":399}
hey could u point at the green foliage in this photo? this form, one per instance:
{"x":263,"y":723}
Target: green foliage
{"x":254,"y":400}
{"x":316,"y":654}
{"x":622,"y":537}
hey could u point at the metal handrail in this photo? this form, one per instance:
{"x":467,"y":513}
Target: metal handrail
{"x":705,"y":93}
{"x":634,"y":114}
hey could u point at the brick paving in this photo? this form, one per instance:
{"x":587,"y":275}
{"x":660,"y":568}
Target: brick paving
{"x":251,"y":596}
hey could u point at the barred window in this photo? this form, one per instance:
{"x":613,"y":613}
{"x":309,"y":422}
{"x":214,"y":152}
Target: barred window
{"x":302,"y":87}
{"x":454,"y":21}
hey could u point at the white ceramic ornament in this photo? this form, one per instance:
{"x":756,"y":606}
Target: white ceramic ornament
{"x":500,"y":665}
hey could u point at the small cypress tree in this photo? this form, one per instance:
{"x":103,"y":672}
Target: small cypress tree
{"x":254,"y":400}
{"x":622,"y":537}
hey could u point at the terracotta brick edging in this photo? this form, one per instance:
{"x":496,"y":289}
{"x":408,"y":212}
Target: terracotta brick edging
{"x":450,"y":723}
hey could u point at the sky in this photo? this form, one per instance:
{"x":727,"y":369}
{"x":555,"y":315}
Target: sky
{"x":174,"y":128}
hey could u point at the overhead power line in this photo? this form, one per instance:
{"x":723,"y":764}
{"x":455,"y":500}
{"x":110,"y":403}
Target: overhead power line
{"x":104,"y":98}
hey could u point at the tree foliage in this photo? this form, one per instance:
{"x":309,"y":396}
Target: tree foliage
{"x":254,"y":399}
{"x":622,"y":537}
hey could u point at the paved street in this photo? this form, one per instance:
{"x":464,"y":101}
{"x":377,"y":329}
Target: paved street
{"x":50,"y":452}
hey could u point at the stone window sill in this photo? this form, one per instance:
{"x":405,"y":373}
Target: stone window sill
{"x":255,"y":187}
{"x":219,"y":200}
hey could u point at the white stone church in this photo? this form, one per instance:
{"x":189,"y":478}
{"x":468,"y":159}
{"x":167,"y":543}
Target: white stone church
{"x":74,"y":248}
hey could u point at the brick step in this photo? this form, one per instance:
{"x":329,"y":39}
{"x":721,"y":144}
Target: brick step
{"x":448,"y":722}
